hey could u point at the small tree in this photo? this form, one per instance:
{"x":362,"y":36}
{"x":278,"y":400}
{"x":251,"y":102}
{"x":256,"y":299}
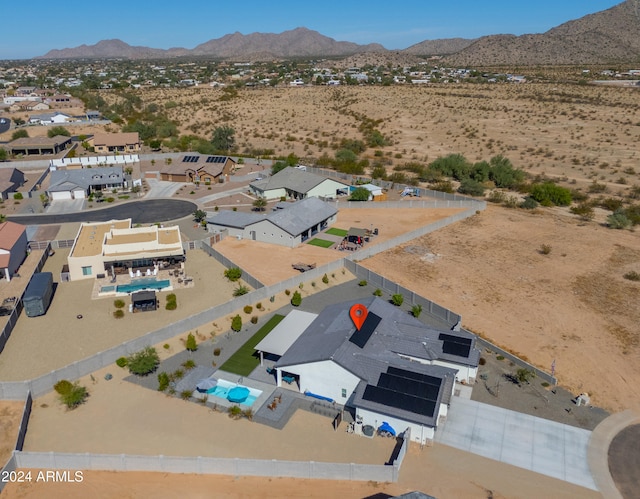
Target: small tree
{"x":143,"y":362}
{"x":233,"y":274}
{"x":223,"y":138}
{"x":191,"y":344}
{"x":19,"y":134}
{"x":360,"y":194}
{"x":236,"y":323}
{"x":260,"y":204}
{"x":397,"y":299}
{"x":58,"y":130}
{"x":524,"y":375}
{"x":296,"y":299}
{"x":75,"y":396}
{"x":199,"y":215}
{"x":163,"y":381}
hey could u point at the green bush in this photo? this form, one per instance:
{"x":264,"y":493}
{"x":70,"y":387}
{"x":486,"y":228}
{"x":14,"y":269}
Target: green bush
{"x":75,"y":396}
{"x":18,"y":195}
{"x":287,"y":292}
{"x":618,"y":220}
{"x":362,"y":283}
{"x":377,"y":292}
{"x":171,"y":305}
{"x":236,"y":323}
{"x":254,"y":319}
{"x":296,"y":299}
{"x":235,"y":412}
{"x":171,"y":297}
{"x":188,"y":364}
{"x":186,"y":394}
{"x":549,"y":194}
{"x":191,"y":344}
{"x":163,"y":381}
{"x":416,"y":310}
{"x":397,"y":299}
{"x":233,"y":274}
{"x":325,"y":279}
{"x":240,"y":290}
{"x":259,"y":305}
{"x":166,"y":346}
{"x":121,"y":362}
{"x":529,"y":203}
{"x":248,"y":309}
{"x":118,"y":314}
{"x":63,"y":386}
{"x":583,"y":210}
{"x":119,"y":303}
{"x":471,"y":187}
{"x":143,"y":362}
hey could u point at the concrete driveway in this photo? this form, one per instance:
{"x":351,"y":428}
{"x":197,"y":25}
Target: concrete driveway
{"x":58,"y":206}
{"x":161,"y":188}
{"x":536,"y":444}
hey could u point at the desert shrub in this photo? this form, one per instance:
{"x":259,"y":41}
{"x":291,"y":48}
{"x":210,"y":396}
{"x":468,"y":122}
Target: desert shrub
{"x":618,"y":220}
{"x":544,"y":384}
{"x":362,"y":283}
{"x":500,"y":357}
{"x":524,"y":375}
{"x":217,"y":351}
{"x":578,"y":196}
{"x":171,"y":305}
{"x":529,"y":203}
{"x":143,"y":362}
{"x":118,"y":314}
{"x":611,"y":204}
{"x":482,"y":361}
{"x":632,"y":276}
{"x":596,"y":188}
{"x":186,"y":394}
{"x":63,"y":386}
{"x":248,"y":413}
{"x":166,"y":346}
{"x":397,"y":299}
{"x":163,"y":381}
{"x":549,"y":194}
{"x":545,"y":249}
{"x":471,"y":187}
{"x":442,"y":186}
{"x":233,"y":274}
{"x":75,"y":396}
{"x":416,"y":310}
{"x":377,"y":292}
{"x":325,"y":279}
{"x":287,"y":292}
{"x":118,"y":303}
{"x":18,"y":196}
{"x":240,"y":290}
{"x":235,"y":412}
{"x":248,"y":309}
{"x":171,"y":297}
{"x":191,"y":344}
{"x":236,"y":323}
{"x":497,"y":197}
{"x":259,"y":305}
{"x":254,"y":319}
{"x":121,"y":362}
{"x":188,"y":364}
{"x":296,"y":299}
{"x":583,"y":210}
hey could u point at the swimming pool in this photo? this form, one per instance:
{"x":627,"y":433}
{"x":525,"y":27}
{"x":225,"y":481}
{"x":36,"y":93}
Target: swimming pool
{"x":140,"y":284}
{"x":221,"y":390}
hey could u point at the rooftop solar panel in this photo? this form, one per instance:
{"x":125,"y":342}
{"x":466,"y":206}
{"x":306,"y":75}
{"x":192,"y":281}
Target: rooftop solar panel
{"x":423,"y":378}
{"x":455,"y":345}
{"x":360,"y":337}
{"x":409,"y":386}
{"x":398,"y":400}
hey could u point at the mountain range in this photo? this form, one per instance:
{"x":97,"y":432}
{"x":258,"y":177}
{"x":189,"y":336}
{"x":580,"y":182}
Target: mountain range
{"x":608,"y":36}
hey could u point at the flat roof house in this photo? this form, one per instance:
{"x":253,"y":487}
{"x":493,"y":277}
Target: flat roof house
{"x":115,"y":247}
{"x":394,"y":369}
{"x":13,"y":248}
{"x":198,"y":168}
{"x":297,"y":184}
{"x":126,"y":143}
{"x":28,"y":146}
{"x":78,"y":184}
{"x":290,"y":225}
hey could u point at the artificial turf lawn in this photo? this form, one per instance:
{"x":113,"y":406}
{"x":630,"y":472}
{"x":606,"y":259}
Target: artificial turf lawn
{"x":336,"y":232}
{"x":323,"y":243}
{"x":244,"y":360}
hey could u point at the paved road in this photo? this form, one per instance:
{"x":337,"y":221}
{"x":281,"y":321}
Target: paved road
{"x":529,"y":442}
{"x":141,"y":212}
{"x":624,"y":461}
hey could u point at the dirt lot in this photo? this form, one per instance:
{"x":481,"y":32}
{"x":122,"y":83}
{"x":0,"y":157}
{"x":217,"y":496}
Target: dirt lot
{"x":572,"y":305}
{"x":10,"y":416}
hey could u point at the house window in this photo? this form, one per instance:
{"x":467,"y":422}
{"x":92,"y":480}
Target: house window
{"x":344,"y":393}
{"x":86,"y":270}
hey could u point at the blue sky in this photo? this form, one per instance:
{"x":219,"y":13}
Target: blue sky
{"x":45,"y":25}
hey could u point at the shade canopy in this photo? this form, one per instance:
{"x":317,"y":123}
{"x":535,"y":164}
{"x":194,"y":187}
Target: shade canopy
{"x":204,"y":385}
{"x":238,"y":394}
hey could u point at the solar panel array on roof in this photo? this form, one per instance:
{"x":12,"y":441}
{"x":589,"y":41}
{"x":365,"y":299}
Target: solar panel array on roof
{"x":190,"y":159}
{"x":216,"y":159}
{"x":402,"y":401}
{"x":406,"y":390}
{"x":455,"y":345}
{"x":360,"y":337}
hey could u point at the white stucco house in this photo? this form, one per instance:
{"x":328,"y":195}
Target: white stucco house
{"x":395,"y":369}
{"x":297,"y":184}
{"x":290,"y":225}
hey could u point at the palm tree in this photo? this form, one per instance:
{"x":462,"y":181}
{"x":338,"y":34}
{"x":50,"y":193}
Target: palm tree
{"x":260,"y":204}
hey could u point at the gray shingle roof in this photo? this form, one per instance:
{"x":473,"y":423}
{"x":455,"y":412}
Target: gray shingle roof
{"x":64,"y":180}
{"x":235,"y":219}
{"x":290,"y":178}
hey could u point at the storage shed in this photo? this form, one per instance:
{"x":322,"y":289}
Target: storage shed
{"x":37,"y":296}
{"x":144,"y":301}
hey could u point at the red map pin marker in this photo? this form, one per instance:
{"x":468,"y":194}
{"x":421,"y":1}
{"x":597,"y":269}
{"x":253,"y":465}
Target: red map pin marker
{"x":358,"y":315}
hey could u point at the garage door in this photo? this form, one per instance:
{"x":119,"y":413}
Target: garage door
{"x":60,"y":195}
{"x":79,"y":194}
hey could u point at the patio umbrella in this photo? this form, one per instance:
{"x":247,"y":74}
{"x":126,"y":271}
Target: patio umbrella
{"x":204,"y":385}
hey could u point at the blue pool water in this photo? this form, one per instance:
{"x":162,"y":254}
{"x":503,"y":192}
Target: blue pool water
{"x":221,"y":390}
{"x":140,"y":284}
{"x":107,"y":289}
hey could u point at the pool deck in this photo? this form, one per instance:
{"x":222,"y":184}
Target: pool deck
{"x":176,"y":282}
